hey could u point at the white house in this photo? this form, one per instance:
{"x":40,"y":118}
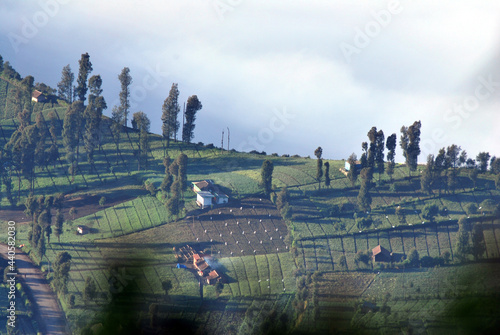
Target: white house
{"x":208,"y":193}
{"x":204,"y":199}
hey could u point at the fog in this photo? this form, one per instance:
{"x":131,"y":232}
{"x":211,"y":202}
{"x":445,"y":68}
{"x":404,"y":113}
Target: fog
{"x":284,"y":77}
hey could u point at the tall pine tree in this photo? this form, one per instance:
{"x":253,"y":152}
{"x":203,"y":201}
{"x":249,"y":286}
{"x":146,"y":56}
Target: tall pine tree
{"x":169,"y":116}
{"x":192,"y":107}
{"x":83,"y":72}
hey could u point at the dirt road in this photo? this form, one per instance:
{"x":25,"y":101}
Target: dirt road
{"x":47,"y":311}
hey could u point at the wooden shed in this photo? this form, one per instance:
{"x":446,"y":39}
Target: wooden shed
{"x":38,"y":96}
{"x":381,"y":254}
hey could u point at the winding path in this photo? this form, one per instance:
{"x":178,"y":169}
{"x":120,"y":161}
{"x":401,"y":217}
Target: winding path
{"x":46,"y":309}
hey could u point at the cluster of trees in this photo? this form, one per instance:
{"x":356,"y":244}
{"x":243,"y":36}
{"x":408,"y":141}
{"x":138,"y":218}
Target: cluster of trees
{"x":441,"y":171}
{"x":282,"y":201}
{"x":319,"y":168}
{"x":470,"y":240}
{"x":266,"y":176}
{"x":174,"y":183}
{"x":170,"y":112}
{"x":62,"y":266}
{"x":40,"y":210}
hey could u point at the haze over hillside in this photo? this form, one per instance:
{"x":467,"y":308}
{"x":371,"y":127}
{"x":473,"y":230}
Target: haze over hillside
{"x":318,"y":61}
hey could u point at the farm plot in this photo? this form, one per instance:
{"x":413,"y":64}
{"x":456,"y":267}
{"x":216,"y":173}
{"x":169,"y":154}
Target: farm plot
{"x":138,"y":214}
{"x":258,"y":275}
{"x":252,"y":227}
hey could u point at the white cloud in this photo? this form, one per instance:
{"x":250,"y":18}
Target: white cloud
{"x":263,"y":55}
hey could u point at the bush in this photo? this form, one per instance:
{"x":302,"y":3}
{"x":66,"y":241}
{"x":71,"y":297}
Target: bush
{"x":363,"y":222}
{"x":488,"y":204}
{"x":414,"y":258}
{"x":274,"y":154}
{"x":102,"y":201}
{"x":471,"y":208}
{"x":430,"y":211}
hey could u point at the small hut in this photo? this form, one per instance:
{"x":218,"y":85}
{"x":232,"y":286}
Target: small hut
{"x":381,"y":254}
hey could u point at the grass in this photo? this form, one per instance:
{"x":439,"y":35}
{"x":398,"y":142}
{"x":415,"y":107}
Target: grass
{"x":259,"y":269}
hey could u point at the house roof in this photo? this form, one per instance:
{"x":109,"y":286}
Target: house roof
{"x":202,"y":265}
{"x":212,"y":275}
{"x":36,"y":94}
{"x":221,"y":195}
{"x":205,"y":194}
{"x":196,"y":257}
{"x":202,"y":185}
{"x":380,"y":250}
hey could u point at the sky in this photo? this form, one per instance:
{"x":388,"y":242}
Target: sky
{"x":284,"y":77}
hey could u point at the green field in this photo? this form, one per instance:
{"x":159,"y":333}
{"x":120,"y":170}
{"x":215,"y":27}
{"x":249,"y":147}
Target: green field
{"x":262,"y":257}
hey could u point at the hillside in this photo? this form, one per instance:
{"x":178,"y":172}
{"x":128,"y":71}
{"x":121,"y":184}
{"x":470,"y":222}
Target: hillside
{"x":294,"y":272}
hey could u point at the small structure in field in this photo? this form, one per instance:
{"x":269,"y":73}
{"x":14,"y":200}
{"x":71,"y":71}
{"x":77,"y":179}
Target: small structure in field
{"x":208,"y":193}
{"x":204,"y":199}
{"x":381,"y":254}
{"x":200,"y":264}
{"x":82,"y":230}
{"x":38,"y":96}
{"x":212,"y":278}
{"x":347,"y":165}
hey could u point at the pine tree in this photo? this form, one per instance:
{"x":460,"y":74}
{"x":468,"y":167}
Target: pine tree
{"x":267,"y":176}
{"x":125,"y":81}
{"x":169,"y":116}
{"x":327,"y":174}
{"x":364,"y":197}
{"x":92,"y":116}
{"x":410,"y":143}
{"x":58,"y":231}
{"x":83,"y":72}
{"x":71,"y":130}
{"x":65,"y":86}
{"x":372,"y":149}
{"x":352,"y":174}
{"x":379,"y":153}
{"x":427,"y":178}
{"x":391,"y":147}
{"x":192,"y":107}
{"x":141,"y":122}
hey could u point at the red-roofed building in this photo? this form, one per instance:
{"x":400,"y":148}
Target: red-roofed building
{"x":38,"y":96}
{"x":381,"y":254}
{"x":212,"y":278}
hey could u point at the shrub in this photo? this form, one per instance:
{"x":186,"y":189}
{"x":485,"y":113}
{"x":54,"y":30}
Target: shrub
{"x":102,"y":201}
{"x":446,"y":256}
{"x":430,"y":211}
{"x":274,"y":154}
{"x":488,"y":204}
{"x":471,"y":208}
{"x":414,"y":257}
{"x":363,"y":223}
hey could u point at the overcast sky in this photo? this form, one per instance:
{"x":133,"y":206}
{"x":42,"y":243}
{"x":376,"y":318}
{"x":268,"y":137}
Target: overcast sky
{"x":284,"y":76}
